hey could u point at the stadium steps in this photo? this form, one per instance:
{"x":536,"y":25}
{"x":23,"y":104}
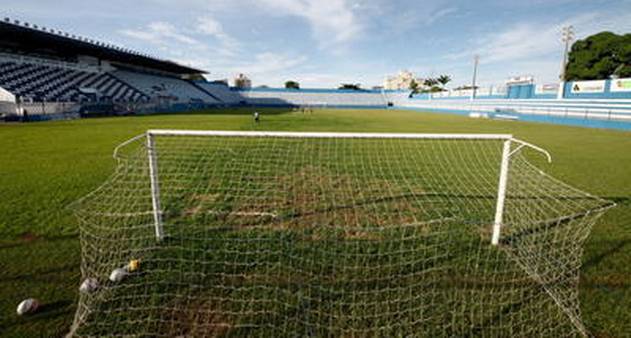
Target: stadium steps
{"x":52,"y":83}
{"x":136,"y":94}
{"x":206,"y":91}
{"x":68,"y":89}
{"x":40,"y":81}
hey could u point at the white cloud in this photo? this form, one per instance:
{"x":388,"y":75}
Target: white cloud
{"x":333,"y":22}
{"x":440,"y":14}
{"x":397,"y":17}
{"x":264,"y":68}
{"x":270,"y":63}
{"x":160,"y":33}
{"x":533,"y":48}
{"x":522,"y":41}
{"x":528,"y":40}
{"x":173,"y":40}
{"x":207,"y":25}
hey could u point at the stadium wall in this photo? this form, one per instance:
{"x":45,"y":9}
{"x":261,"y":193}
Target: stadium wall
{"x":598,"y":89}
{"x":314,"y":97}
{"x":40,"y":111}
{"x":598,"y":113}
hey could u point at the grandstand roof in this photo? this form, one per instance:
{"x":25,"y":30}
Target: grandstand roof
{"x":34,"y":40}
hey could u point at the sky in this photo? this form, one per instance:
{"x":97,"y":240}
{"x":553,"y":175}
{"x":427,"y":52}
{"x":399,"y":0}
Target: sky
{"x":322,"y":43}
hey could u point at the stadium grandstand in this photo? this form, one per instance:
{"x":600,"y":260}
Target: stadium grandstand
{"x":48,"y":74}
{"x":42,"y":70}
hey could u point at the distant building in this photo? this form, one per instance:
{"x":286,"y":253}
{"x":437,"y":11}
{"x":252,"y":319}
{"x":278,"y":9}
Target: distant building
{"x":401,"y":81}
{"x":521,"y":80}
{"x":242,"y":81}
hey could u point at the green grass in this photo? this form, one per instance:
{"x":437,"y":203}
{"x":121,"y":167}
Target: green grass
{"x":46,"y":166}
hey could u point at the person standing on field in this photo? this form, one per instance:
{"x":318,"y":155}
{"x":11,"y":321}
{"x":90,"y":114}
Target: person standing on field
{"x":256,"y":117}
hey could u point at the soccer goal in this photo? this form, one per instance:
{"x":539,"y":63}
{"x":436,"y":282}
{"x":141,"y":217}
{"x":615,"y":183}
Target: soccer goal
{"x":221,"y":233}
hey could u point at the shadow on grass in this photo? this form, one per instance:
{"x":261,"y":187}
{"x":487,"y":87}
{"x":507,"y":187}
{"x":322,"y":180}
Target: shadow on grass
{"x":46,"y":312}
{"x":478,"y":330}
{"x":224,"y":111}
{"x":619,"y":200}
{"x":41,"y":275}
{"x":618,"y":247}
{"x":25,"y":242}
{"x":55,"y":309}
{"x":609,"y":245}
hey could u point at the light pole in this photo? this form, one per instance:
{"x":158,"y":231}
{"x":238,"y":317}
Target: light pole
{"x":476,"y":61}
{"x":567,"y":36}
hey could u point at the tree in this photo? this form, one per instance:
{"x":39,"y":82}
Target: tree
{"x":599,"y":57}
{"x":431,"y":86}
{"x":292,"y":85}
{"x":430,"y":82}
{"x":414,"y":86}
{"x":444,"y":80}
{"x":350,"y":86}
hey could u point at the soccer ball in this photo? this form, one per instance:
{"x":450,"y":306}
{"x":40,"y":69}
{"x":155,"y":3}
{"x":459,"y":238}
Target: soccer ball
{"x":89,"y":285}
{"x":27,"y":306}
{"x":133,"y":265}
{"x":118,"y":275}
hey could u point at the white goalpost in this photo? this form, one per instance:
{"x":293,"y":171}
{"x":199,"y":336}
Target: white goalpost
{"x":260,"y":233}
{"x":501,"y":191}
{"x":155,"y":187}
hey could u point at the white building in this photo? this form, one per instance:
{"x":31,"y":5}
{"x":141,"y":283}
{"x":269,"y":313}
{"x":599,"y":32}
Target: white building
{"x":242,"y":81}
{"x":401,"y":81}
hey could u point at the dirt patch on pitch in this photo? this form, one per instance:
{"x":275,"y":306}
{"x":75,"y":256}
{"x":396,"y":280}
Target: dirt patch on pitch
{"x":316,"y":198}
{"x":195,"y":317}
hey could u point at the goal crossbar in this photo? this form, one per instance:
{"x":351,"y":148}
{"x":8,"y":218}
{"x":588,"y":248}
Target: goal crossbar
{"x":175,"y":132}
{"x":503,"y":173}
{"x":434,"y":136}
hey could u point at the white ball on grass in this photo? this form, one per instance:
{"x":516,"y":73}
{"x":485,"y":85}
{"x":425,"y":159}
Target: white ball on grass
{"x":27,"y":306}
{"x":118,"y":275}
{"x":89,"y":285}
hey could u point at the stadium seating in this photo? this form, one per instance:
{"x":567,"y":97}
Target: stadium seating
{"x":617,"y":110}
{"x":311,"y":97}
{"x":179,"y":90}
{"x":222,"y":92}
{"x":56,"y":84}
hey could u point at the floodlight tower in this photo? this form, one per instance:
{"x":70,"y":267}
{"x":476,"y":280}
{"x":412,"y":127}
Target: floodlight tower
{"x":567,"y":36}
{"x":476,"y":61}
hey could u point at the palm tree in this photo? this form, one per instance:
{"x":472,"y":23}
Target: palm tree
{"x":430,"y":82}
{"x":414,"y":87}
{"x":444,"y":80}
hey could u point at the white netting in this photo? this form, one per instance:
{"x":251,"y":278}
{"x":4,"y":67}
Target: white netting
{"x":306,"y":236}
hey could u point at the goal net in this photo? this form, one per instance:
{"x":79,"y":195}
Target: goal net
{"x":310,"y":234}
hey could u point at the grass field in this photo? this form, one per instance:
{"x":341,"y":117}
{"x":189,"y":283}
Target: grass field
{"x":46,"y":166}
